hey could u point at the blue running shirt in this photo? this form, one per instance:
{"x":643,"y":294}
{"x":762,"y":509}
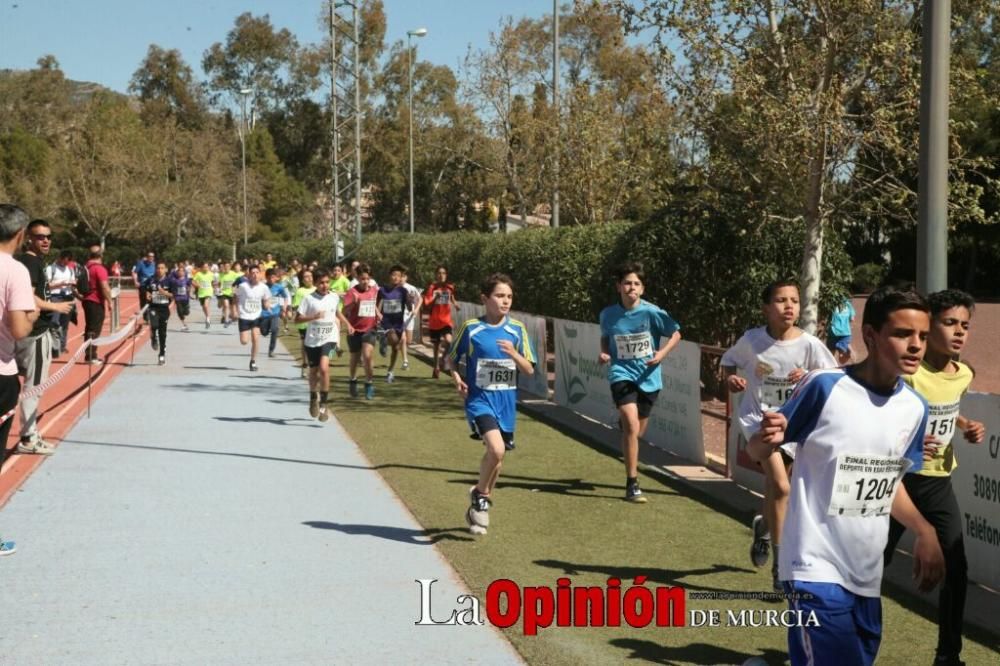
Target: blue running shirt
{"x":490,"y":374}
{"x":633,"y":337}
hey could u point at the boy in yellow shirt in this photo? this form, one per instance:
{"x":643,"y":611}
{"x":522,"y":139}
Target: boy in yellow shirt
{"x":942,"y":381}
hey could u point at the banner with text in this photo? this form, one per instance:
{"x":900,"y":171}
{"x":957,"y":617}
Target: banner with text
{"x":977,"y":486}
{"x":538,"y":383}
{"x":582,"y":385}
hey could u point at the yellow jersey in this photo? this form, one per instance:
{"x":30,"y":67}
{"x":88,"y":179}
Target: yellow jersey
{"x":943,"y":392}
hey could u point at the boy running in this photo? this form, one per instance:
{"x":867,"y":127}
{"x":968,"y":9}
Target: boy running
{"x":159,"y":292}
{"x":495,"y":348}
{"x":838,"y":339}
{"x":773,"y":358}
{"x":635,"y":338}
{"x":858,"y":429}
{"x":391,"y":304}
{"x":252,"y":297}
{"x":180,"y":286}
{"x":203,"y":289}
{"x":306,"y":287}
{"x":363,"y":316}
{"x":227,"y":279}
{"x":439,"y":297}
{"x":271,"y":318}
{"x":339,"y":283}
{"x":942,"y":382}
{"x":320,"y":312}
{"x":414,"y":302}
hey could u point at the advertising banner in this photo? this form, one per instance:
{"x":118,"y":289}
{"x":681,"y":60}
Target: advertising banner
{"x":538,"y":383}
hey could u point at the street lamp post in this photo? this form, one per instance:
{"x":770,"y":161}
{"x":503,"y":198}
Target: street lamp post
{"x":419,"y":32}
{"x":244,"y":92}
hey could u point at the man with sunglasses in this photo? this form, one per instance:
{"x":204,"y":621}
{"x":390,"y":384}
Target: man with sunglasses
{"x":34,"y":352}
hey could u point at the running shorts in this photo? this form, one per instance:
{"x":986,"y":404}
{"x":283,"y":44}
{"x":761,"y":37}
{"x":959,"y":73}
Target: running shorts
{"x":624,"y":393}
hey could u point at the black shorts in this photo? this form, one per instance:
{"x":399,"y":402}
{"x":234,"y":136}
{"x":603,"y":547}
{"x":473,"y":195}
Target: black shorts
{"x":302,"y":334}
{"x":183,"y":308}
{"x":355,"y":340}
{"x":438,"y":333}
{"x":624,"y":393}
{"x":247,"y":324}
{"x":314,"y":354}
{"x":224,"y":300}
{"x":202,"y":299}
{"x":484,"y":423}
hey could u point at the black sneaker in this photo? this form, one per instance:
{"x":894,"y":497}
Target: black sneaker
{"x":634,"y":494}
{"x":775,"y":582}
{"x":253,"y":366}
{"x":478,"y":514}
{"x":352,"y":387}
{"x":161,"y":360}
{"x":314,"y":407}
{"x":509,"y":446}
{"x":760,"y":549}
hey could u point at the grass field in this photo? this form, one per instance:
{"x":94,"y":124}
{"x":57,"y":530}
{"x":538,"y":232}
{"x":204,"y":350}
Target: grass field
{"x":559,"y":511}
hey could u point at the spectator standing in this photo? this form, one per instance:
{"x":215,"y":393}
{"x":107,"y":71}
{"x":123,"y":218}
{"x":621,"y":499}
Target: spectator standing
{"x":95,"y":302}
{"x":18,"y":312}
{"x":34,"y":352}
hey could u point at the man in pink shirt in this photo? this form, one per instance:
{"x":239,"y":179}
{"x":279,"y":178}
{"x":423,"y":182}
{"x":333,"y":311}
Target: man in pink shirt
{"x":96,"y":301}
{"x":17,"y":316}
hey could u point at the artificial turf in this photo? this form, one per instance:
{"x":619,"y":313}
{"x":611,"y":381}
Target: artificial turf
{"x":558,"y":512}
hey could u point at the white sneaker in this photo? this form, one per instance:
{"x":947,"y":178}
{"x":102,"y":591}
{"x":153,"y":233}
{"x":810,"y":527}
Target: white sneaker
{"x":406,"y":365}
{"x":389,"y":378}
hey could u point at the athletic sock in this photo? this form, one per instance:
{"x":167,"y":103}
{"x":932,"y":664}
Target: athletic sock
{"x":312,"y":396}
{"x":631,"y":480}
{"x":322,"y":396}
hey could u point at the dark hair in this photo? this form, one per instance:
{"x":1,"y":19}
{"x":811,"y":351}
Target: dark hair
{"x":398,"y":267}
{"x":630,"y":267}
{"x":441,"y":267}
{"x":360,"y":268}
{"x":161,"y":262}
{"x":38,"y":223}
{"x":319,"y":274}
{"x":302,"y":274}
{"x":252,"y":267}
{"x":269,"y":272}
{"x":950,"y":298}
{"x":491,"y":282}
{"x":886,"y":300}
{"x":66,"y":254}
{"x":768,"y":293}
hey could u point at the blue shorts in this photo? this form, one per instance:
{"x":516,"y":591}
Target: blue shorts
{"x":841,"y":343}
{"x":849,"y":631}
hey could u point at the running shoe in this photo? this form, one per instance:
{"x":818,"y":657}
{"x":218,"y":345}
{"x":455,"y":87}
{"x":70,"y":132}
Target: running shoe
{"x":352,"y":387}
{"x":161,"y":360}
{"x":324,"y":415}
{"x":7,"y":548}
{"x":253,"y":366}
{"x":270,"y":354}
{"x":95,"y":361}
{"x":369,"y":390}
{"x":389,"y":377}
{"x":478,"y":513}
{"x":775,"y":583}
{"x":634,"y":494}
{"x":406,"y":365}
{"x":760,"y":549}
{"x":509,"y":446}
{"x":207,"y":325}
{"x":185,"y":328}
{"x":152,"y":343}
{"x":36,"y":446}
{"x":314,"y":407}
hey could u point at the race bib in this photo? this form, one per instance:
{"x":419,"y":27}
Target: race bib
{"x":322,"y":329}
{"x":775,"y":392}
{"x":160,"y":299}
{"x":941,"y":422}
{"x":366,"y":308}
{"x":634,"y":345}
{"x":251,"y":305}
{"x":864,"y":485}
{"x":443,"y":298}
{"x":227,"y":285}
{"x":496,"y":374}
{"x":392,"y":307}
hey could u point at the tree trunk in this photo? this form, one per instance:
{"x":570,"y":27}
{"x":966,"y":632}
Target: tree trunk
{"x":810,"y":273}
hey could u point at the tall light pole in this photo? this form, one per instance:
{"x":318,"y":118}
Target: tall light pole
{"x":555,"y":108}
{"x":419,"y":32}
{"x":244,"y":92}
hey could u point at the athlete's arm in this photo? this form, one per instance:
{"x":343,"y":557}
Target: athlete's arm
{"x":345,"y":321}
{"x":928,"y":561}
{"x":769,"y":437}
{"x":974,"y":431}
{"x":523,"y":364}
{"x":665,"y":349}
{"x":605,"y":355}
{"x":20,"y":322}
{"x":734,"y":382}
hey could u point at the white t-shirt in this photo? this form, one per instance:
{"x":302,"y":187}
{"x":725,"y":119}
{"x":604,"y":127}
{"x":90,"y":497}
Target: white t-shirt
{"x":57,"y":273}
{"x":766,"y":364}
{"x":250,"y":299}
{"x":326,"y":328}
{"x":853,"y":447}
{"x":413,"y":298}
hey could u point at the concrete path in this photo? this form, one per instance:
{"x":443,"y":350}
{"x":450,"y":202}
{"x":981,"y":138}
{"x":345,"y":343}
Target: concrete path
{"x":201,"y":516}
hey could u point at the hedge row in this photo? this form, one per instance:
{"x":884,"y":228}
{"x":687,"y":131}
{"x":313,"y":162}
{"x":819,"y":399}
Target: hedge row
{"x":708,"y":276}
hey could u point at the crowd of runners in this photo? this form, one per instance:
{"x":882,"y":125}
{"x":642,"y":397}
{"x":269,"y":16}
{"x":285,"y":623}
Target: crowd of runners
{"x":853,"y":454}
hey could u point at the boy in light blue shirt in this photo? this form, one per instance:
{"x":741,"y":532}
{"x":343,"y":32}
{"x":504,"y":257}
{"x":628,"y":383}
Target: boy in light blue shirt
{"x":635,"y":338}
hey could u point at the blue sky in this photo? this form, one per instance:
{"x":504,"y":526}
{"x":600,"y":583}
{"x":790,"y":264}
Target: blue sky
{"x":105,"y":40}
